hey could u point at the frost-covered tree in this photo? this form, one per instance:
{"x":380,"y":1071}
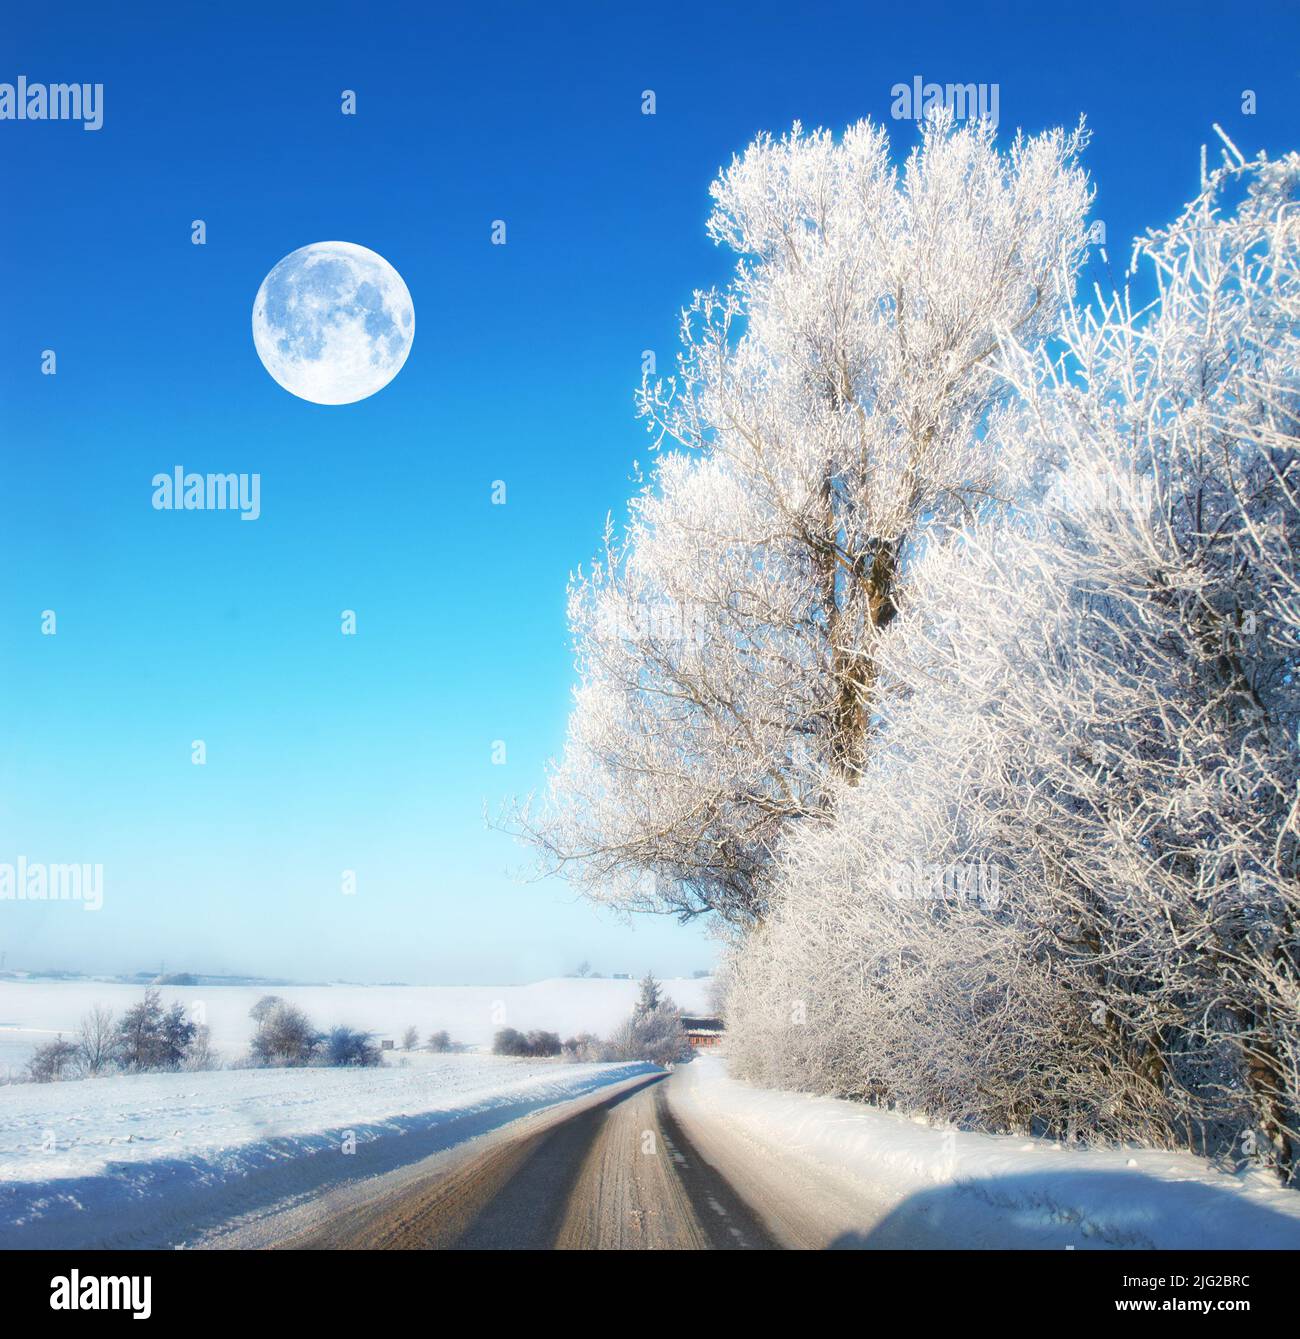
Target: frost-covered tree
{"x":835,"y":403}
{"x":1095,"y":696}
{"x":650,"y":996}
{"x":1168,"y":552}
{"x":200,"y":1054}
{"x":96,"y":1040}
{"x":263,"y":1007}
{"x":150,"y":1037}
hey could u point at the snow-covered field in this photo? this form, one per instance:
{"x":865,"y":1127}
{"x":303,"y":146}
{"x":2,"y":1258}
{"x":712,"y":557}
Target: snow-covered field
{"x":32,"y":1012}
{"x":135,"y":1159}
{"x":146,"y":1160}
{"x":887,"y":1180}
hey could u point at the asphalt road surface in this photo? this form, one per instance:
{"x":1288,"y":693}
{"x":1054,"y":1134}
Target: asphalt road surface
{"x":616,"y":1173}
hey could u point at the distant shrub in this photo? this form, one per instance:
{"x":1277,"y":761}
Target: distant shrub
{"x":441,"y":1042}
{"x":52,"y":1061}
{"x":586,"y":1048}
{"x":284,"y":1034}
{"x":346,"y":1046}
{"x":511,"y":1042}
{"x":201,"y":1055}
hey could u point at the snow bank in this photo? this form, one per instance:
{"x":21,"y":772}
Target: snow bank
{"x":920,"y":1186}
{"x":32,"y":1012}
{"x":153,"y":1159}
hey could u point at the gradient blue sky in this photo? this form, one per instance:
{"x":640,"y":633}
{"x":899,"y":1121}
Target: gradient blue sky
{"x":374,"y":752}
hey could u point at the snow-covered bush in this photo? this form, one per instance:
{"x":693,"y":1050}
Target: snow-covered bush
{"x":653,"y":1032}
{"x":585,"y":1048}
{"x":284,"y":1036}
{"x":200,"y":1054}
{"x":655,"y":1037}
{"x":347,"y":1047}
{"x":510,"y":1041}
{"x":52,"y":1061}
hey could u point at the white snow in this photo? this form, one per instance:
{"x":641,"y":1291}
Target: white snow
{"x":152,"y":1159}
{"x":35,"y":1011}
{"x":920,"y":1186}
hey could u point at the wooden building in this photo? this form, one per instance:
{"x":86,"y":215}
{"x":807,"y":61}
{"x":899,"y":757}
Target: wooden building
{"x":703,"y":1032}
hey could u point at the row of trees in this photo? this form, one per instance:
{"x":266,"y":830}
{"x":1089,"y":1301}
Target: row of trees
{"x":440,"y":1042}
{"x":950,"y":662}
{"x":286,"y":1036}
{"x":151,"y":1038}
{"x":147,"y":1038}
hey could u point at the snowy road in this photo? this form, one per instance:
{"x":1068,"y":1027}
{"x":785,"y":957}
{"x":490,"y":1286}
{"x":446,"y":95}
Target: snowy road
{"x":643,"y":1165}
{"x":615,"y":1173}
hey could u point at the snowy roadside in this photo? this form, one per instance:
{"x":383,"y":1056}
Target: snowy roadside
{"x":152,"y":1159}
{"x":896,"y":1182}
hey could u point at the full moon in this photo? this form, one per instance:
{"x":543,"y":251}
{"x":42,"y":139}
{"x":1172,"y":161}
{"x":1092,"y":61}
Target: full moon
{"x":333,"y":322}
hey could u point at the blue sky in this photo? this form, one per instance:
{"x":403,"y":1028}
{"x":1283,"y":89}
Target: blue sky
{"x":374,"y":753}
